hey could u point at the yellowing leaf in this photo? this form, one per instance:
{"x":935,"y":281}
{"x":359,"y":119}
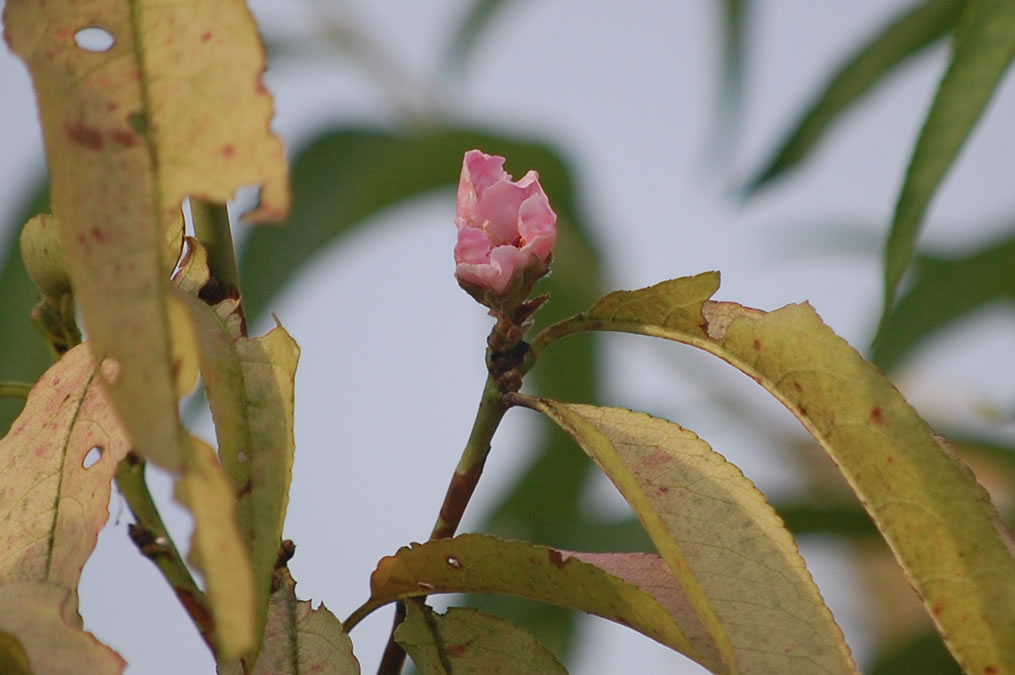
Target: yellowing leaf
{"x":44,"y":619}
{"x":52,"y":507}
{"x":609,"y":585}
{"x":299,"y":640}
{"x":936,"y":518}
{"x":465,"y":641}
{"x":174,"y":107}
{"x":250,"y":389}
{"x":218,"y":551}
{"x":725,"y":545}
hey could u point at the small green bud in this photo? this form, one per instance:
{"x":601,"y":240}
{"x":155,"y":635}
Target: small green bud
{"x":43,"y":255}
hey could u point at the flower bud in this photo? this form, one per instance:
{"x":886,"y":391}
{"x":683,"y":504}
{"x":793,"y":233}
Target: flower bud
{"x":506,"y":232}
{"x":43,"y":256}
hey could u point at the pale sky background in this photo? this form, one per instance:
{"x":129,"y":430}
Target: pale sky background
{"x":627,"y":91}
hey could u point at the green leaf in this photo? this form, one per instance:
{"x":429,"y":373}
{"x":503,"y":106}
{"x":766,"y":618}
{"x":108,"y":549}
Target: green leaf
{"x":299,"y":640}
{"x":938,"y":521}
{"x":23,"y":353}
{"x":725,"y":545}
{"x":478,"y":18}
{"x":944,"y":290}
{"x":468,"y":642}
{"x":732,"y":39}
{"x":984,"y":47}
{"x":634,"y":589}
{"x":52,"y":507}
{"x":126,"y":142}
{"x":912,"y":32}
{"x":250,"y":388}
{"x":44,"y":619}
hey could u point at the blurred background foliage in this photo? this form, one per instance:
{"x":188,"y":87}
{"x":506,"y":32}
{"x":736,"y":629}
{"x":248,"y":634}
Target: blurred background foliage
{"x":346,"y":173}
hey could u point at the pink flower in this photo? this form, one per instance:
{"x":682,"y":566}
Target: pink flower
{"x":506,"y":229}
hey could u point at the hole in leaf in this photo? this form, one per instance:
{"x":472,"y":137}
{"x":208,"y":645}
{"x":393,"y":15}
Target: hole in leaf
{"x":453,"y":561}
{"x":241,"y":457}
{"x":92,"y":457}
{"x":94,"y":39}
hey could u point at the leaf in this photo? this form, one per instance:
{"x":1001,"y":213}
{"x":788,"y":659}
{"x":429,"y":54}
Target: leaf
{"x":217,"y":549}
{"x":984,"y":48}
{"x":44,"y":619}
{"x":478,"y":18}
{"x":944,"y":290}
{"x":23,"y":354}
{"x":466,"y":641}
{"x":250,"y":389}
{"x":732,"y":38}
{"x":633,"y":589}
{"x":938,"y":521}
{"x":902,"y":39}
{"x":52,"y":507}
{"x":299,"y":640}
{"x":725,"y":545}
{"x":13,"y":659}
{"x":173,"y":108}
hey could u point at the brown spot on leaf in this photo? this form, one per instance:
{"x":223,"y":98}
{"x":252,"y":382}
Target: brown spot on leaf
{"x":245,"y":490}
{"x":123,"y":137}
{"x":990,"y":669}
{"x":757,"y":345}
{"x":797,"y":386}
{"x":456,"y":651}
{"x":228,"y":150}
{"x":877,"y":416}
{"x":112,"y":105}
{"x":100,"y":235}
{"x":556,"y":559}
{"x":937,"y":609}
{"x":206,"y":36}
{"x":81,"y":134}
{"x":662,"y":490}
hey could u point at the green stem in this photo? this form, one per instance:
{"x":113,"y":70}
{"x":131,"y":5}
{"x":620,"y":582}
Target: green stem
{"x":463,"y":485}
{"x":14,"y":389}
{"x":211,"y":225}
{"x":152,"y":539}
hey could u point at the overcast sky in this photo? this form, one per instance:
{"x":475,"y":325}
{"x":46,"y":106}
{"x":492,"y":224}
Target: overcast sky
{"x":627,"y":90}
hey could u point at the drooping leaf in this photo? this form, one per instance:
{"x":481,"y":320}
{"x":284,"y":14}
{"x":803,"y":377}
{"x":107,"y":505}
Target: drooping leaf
{"x":54,"y":499}
{"x":725,"y":545}
{"x":634,"y":589}
{"x":984,"y":48}
{"x":465,"y":641}
{"x":904,"y":38}
{"x":174,"y":107}
{"x":23,"y":353}
{"x":299,"y":640}
{"x":217,"y":550}
{"x":44,"y":619}
{"x":250,"y":387}
{"x":938,"y":521}
{"x":944,"y":290}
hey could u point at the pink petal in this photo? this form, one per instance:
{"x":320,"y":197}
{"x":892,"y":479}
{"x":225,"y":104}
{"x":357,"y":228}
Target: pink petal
{"x":473,"y":246}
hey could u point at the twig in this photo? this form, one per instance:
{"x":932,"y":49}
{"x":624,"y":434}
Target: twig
{"x":152,"y":539}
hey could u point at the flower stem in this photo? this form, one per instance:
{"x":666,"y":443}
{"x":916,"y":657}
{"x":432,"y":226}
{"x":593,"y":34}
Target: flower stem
{"x":211,"y":225}
{"x":152,"y":539}
{"x":462,"y":486}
